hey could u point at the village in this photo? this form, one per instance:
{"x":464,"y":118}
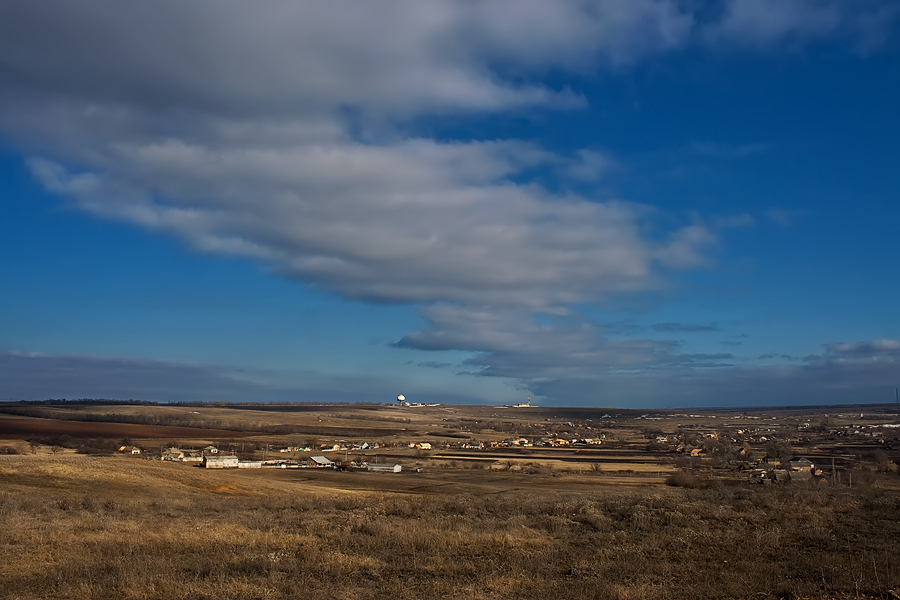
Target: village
{"x":672,"y":447}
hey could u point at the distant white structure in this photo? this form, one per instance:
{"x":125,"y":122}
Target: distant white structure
{"x":385,"y":468}
{"x":526,"y":404}
{"x":220,"y":462}
{"x":401,"y":400}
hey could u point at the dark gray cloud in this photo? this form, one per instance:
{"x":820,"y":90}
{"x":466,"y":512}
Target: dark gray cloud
{"x":873,"y":350}
{"x":38,"y":377}
{"x":684,"y":328}
{"x":26,"y":376}
{"x":836,"y":377}
{"x":433,"y":364}
{"x":517,"y":345}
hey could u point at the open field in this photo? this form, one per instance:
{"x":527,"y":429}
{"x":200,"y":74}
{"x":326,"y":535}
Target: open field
{"x":838,"y":439}
{"x":103,"y":527}
{"x":579,"y":509}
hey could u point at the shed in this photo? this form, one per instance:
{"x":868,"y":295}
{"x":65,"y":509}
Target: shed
{"x":385,"y":468}
{"x":319,"y":461}
{"x":220,"y":462}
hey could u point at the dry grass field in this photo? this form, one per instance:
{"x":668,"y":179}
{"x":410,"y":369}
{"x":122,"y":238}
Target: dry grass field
{"x":548,"y":520}
{"x":103,"y":527}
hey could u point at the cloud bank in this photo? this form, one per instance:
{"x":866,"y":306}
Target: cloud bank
{"x":285,"y":132}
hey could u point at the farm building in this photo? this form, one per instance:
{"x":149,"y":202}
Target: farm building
{"x":173,"y":454}
{"x":130,"y":450}
{"x":319,"y":461}
{"x":249,"y":464}
{"x":220,"y":462}
{"x":192,"y":456}
{"x":385,"y":468}
{"x":800,"y":464}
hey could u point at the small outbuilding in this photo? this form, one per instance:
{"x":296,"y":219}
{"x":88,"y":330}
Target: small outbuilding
{"x":385,"y":468}
{"x":320,"y":462}
{"x":220,"y":462}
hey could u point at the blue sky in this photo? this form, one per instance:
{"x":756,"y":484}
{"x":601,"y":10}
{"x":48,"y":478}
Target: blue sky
{"x":650,"y":203}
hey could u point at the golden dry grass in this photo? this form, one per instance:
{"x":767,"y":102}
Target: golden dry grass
{"x":86,"y":527}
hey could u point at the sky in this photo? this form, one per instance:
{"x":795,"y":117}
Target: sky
{"x":616,"y":203}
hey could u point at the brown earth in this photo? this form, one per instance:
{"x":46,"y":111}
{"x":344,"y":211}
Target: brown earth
{"x":14,"y":427}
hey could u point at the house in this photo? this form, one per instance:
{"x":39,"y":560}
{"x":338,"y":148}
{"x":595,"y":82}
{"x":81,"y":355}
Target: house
{"x":801,"y":476}
{"x":800,"y":464}
{"x":192,"y":456}
{"x":210,"y":450}
{"x":385,"y":468}
{"x":220,"y":462}
{"x":172,"y":454}
{"x":130,"y":450}
{"x":782,"y":476}
{"x":319,"y":461}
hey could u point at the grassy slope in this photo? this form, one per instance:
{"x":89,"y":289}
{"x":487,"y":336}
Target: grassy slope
{"x":84,"y":527}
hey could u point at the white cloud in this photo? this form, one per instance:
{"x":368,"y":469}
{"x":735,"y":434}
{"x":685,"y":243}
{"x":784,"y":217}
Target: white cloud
{"x":589,"y":165}
{"x":764,"y":23}
{"x":394,"y":57}
{"x":417,"y":221}
{"x":783,"y":217}
{"x":767,"y":21}
{"x":278,"y":131}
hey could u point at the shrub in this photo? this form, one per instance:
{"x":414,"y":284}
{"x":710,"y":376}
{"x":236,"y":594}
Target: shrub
{"x":688,"y":478}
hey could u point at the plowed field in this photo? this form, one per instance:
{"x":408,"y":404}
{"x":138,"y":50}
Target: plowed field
{"x":13,"y":427}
